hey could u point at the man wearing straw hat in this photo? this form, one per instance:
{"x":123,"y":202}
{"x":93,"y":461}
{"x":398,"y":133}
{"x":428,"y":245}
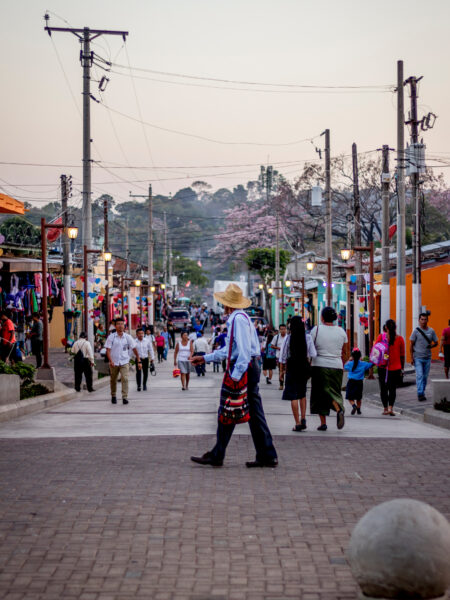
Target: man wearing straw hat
{"x":245,"y":351}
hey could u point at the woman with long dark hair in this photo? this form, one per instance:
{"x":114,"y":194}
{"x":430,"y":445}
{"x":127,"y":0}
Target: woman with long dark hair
{"x":296,"y":354}
{"x":390,"y":376}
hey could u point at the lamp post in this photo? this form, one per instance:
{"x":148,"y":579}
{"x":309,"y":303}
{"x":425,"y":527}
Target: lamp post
{"x":106,"y":257}
{"x":347,"y":253}
{"x":72,"y":233}
{"x":137,"y":282}
{"x":302,"y":281}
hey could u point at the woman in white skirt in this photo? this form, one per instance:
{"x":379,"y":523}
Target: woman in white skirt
{"x":184,"y":350}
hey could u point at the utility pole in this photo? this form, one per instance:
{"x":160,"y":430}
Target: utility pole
{"x":269,"y":182}
{"x":165,"y":268}
{"x":107,"y":263}
{"x":328,"y":228}
{"x":127,"y":250}
{"x":414,"y":154}
{"x":66,"y":183}
{"x":67,"y":267}
{"x":170,"y":262}
{"x":385,"y":288}
{"x":150,"y":249}
{"x":360,"y":338}
{"x":85,"y":36}
{"x":400,"y":313}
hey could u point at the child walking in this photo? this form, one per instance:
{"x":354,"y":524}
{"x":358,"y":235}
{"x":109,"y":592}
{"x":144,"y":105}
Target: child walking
{"x":356,"y":371}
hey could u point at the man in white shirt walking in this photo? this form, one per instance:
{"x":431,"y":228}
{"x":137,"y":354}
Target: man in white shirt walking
{"x":119,"y":346}
{"x":144,"y":347}
{"x":201,"y":347}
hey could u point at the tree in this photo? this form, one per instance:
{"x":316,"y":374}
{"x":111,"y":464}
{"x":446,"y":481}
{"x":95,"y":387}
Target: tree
{"x":188,"y":270}
{"x":262,"y":261}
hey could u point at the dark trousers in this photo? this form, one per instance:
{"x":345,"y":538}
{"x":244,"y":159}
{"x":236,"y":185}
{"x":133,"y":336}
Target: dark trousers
{"x":388,"y":387}
{"x":262,"y":438}
{"x":200,"y":368}
{"x":172,"y":339}
{"x":36,"y":349}
{"x":160,"y":352}
{"x":142,"y":373}
{"x":83,"y":367}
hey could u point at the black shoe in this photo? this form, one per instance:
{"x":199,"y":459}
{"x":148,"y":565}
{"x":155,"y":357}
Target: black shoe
{"x":77,"y":390}
{"x":322,"y":428}
{"x":113,"y":400}
{"x":303,"y":424}
{"x":422,"y":399}
{"x":91,"y":390}
{"x":268,"y":381}
{"x":139,"y":389}
{"x":207,"y":459}
{"x":203,"y":374}
{"x":358,"y":410}
{"x":145,"y":388}
{"x":340,"y":419}
{"x":273,"y":462}
{"x":354,"y":409}
{"x":124,"y":400}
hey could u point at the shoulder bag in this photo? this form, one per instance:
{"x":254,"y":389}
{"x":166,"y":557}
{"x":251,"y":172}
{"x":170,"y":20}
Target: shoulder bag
{"x":234,"y":407}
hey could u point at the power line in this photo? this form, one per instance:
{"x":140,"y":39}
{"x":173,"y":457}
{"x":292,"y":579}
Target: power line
{"x":259,"y":83}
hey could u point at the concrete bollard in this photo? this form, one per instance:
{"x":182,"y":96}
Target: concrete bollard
{"x":401,"y":549}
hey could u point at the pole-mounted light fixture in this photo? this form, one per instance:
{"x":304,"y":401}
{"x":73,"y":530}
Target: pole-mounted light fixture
{"x":72,"y":232}
{"x":107,"y":255}
{"x":152,"y":288}
{"x":310,"y":265}
{"x":345,"y":253}
{"x":137,"y":282}
{"x":163,"y":286}
{"x":288,"y":283}
{"x":260,"y":286}
{"x":270,"y":290}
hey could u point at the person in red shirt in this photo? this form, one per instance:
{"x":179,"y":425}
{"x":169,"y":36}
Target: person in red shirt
{"x":7,"y":334}
{"x":445,"y":348}
{"x":160,"y":342}
{"x":390,"y":381}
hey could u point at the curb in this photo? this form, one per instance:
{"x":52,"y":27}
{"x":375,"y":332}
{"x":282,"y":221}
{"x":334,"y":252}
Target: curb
{"x":32,"y":405}
{"x":430,"y":416}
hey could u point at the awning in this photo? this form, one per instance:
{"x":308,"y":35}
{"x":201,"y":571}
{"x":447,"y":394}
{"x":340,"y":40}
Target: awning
{"x":11,"y":206}
{"x":24,"y":265}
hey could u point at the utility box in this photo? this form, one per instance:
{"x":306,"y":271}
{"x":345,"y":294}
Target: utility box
{"x":415,"y":159}
{"x":316,"y":196}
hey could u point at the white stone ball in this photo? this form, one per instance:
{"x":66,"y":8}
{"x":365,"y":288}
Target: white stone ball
{"x":401,"y":549}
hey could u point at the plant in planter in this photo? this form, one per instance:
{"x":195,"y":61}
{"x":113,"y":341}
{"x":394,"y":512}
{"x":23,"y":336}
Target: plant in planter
{"x":28,"y":389}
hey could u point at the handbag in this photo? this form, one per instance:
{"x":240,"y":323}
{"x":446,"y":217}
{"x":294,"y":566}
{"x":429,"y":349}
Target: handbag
{"x":234,"y":407}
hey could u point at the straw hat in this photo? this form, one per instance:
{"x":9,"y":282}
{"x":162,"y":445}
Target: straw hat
{"x":233,"y":297}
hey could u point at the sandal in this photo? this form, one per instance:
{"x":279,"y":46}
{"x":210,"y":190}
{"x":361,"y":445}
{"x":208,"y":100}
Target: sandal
{"x":391,"y":413}
{"x":385,"y":412}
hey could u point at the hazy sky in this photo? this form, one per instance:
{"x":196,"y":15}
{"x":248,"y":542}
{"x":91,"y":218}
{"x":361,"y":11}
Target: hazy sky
{"x":327,"y":42}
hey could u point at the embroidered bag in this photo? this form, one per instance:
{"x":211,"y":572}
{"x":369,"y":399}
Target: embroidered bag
{"x":234,"y":407}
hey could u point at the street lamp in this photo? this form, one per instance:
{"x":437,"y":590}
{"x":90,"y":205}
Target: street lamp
{"x":345,"y":254}
{"x":288,"y":283}
{"x":369,"y":249}
{"x":72,"y":234}
{"x":270,"y":290}
{"x":309,"y":266}
{"x":137,"y":282}
{"x":260,"y":286}
{"x":152,"y":289}
{"x":107,"y":255}
{"x":87,"y":251}
{"x":163,"y":286}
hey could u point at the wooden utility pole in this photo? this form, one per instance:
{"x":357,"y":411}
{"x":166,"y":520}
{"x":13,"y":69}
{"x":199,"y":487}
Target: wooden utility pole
{"x":85,"y":35}
{"x":401,"y":207}
{"x":358,"y":260}
{"x":385,"y":287}
{"x":328,"y":217}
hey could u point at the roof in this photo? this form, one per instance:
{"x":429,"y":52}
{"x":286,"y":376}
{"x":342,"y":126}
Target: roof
{"x":11,"y":206}
{"x":33,"y":265}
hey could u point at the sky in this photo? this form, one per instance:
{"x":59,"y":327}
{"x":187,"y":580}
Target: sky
{"x":289,"y":42}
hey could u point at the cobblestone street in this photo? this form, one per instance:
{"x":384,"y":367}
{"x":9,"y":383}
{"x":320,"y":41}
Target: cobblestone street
{"x":94,"y":508}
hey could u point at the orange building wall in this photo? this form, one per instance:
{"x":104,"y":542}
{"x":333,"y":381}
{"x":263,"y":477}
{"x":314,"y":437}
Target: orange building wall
{"x":435,"y":297}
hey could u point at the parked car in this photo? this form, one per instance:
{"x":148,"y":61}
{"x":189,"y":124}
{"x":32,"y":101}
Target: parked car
{"x":180,"y":319}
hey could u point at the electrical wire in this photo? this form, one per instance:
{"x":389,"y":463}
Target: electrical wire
{"x":237,"y":82}
{"x":201,"y":137}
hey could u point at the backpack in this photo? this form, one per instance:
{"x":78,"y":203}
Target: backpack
{"x":379,"y":355}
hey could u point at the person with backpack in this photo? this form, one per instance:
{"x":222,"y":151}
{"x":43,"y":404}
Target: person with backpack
{"x":83,"y":362}
{"x":388,"y":354}
{"x":269,"y":358}
{"x":422,"y":340}
{"x":356,"y":369}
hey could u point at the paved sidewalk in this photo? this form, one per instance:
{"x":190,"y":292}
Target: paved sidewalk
{"x":101,"y":502}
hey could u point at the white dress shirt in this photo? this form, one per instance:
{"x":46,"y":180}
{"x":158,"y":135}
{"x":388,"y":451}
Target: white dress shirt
{"x":120,"y":347}
{"x":245,"y":344}
{"x":145,"y":348}
{"x":85,"y":347}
